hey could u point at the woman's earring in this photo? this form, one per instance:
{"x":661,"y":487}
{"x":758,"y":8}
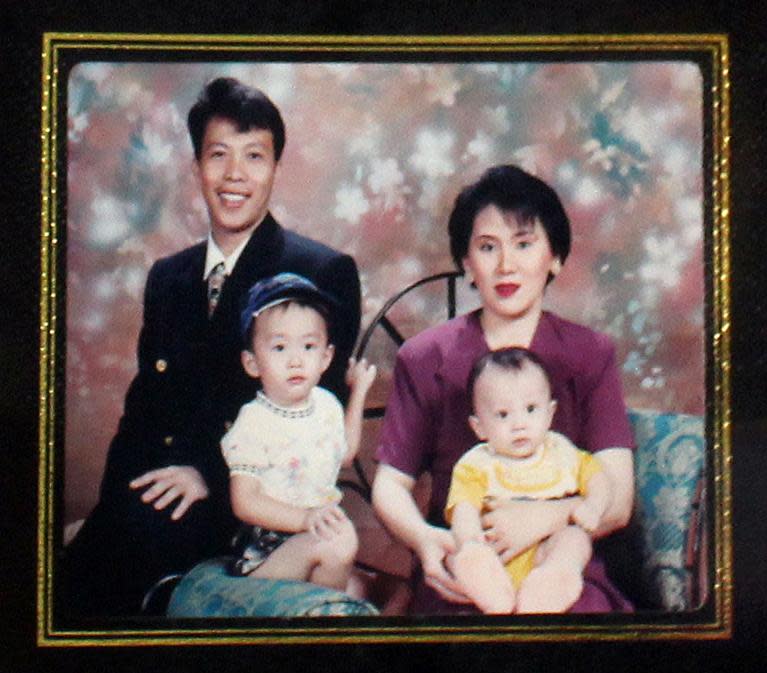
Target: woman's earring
{"x":556,"y":266}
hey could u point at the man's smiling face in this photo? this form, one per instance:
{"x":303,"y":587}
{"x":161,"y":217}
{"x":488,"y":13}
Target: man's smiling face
{"x":236,"y":172}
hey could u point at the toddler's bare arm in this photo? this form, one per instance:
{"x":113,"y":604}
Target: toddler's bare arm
{"x":359,"y":377}
{"x":251,"y":505}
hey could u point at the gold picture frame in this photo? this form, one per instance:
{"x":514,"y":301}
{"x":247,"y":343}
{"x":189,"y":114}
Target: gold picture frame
{"x":62,"y":51}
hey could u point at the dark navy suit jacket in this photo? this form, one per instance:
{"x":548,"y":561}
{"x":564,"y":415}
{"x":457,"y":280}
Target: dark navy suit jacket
{"x":189,"y":387}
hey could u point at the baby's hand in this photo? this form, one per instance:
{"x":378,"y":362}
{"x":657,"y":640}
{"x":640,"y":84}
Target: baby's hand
{"x":586,"y":516}
{"x":325,"y":521}
{"x":360,"y":375}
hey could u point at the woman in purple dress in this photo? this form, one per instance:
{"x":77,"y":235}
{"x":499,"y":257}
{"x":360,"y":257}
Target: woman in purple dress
{"x":510,"y":236}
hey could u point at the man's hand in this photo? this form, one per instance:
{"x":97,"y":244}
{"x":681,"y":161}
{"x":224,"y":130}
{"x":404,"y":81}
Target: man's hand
{"x":432,"y":550}
{"x":167,"y":484}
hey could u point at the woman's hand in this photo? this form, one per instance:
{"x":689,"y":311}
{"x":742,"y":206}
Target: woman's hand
{"x":394,"y":504}
{"x":511,"y":526}
{"x":167,"y":484}
{"x":587,"y":516}
{"x":434,"y":547}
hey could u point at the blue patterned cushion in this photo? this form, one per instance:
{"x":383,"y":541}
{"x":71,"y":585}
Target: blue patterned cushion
{"x":209,"y":591}
{"x":670,"y":461}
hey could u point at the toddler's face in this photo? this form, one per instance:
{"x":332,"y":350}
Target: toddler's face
{"x":290,"y":353}
{"x":514,"y":409}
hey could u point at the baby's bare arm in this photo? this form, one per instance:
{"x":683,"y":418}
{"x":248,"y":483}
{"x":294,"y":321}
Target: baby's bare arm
{"x":466,"y":524}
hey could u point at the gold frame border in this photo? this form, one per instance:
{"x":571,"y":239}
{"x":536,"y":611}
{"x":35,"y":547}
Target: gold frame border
{"x":717,"y":48}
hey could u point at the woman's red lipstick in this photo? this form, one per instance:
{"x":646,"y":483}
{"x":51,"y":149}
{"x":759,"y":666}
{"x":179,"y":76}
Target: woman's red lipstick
{"x":506,"y":289}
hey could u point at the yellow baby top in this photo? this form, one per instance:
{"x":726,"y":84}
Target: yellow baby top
{"x":557,"y":469}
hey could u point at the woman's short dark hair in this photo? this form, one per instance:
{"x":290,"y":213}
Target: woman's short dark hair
{"x":511,"y":190}
{"x":512,"y":359}
{"x":246,"y":106}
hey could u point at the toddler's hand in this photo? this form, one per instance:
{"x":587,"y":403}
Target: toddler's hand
{"x":360,"y":375}
{"x":324,"y":522}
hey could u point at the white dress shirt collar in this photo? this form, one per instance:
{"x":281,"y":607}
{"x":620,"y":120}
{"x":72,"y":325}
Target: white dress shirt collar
{"x":214,"y":256}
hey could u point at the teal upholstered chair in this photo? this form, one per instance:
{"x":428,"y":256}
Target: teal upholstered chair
{"x":209,"y":591}
{"x":668,"y":531}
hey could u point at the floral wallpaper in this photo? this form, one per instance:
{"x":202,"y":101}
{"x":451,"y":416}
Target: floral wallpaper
{"x":375,"y":155}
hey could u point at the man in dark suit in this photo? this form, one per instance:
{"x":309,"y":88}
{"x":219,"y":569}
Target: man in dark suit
{"x":164,"y":501}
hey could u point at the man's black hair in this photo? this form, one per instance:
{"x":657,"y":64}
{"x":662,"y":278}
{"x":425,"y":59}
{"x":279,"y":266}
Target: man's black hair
{"x":247,"y":107}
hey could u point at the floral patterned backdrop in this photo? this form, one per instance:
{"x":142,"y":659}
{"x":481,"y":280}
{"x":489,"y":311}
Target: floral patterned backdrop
{"x":375,"y":155}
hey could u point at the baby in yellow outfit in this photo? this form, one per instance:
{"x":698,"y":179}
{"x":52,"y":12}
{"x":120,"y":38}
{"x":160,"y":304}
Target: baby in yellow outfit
{"x":520,"y":457}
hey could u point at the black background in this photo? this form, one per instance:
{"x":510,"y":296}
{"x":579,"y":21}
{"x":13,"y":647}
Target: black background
{"x":21,"y":27}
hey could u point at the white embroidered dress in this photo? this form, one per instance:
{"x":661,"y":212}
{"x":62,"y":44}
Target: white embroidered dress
{"x":295,"y":454}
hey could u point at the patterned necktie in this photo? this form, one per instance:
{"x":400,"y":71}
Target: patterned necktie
{"x":215,"y":281}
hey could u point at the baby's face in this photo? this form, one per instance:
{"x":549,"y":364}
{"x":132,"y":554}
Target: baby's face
{"x":514,"y":409}
{"x":290,"y":353}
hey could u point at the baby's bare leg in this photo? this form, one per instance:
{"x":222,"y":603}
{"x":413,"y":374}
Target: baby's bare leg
{"x":482,"y":577}
{"x":557,"y":580}
{"x":306,"y":557}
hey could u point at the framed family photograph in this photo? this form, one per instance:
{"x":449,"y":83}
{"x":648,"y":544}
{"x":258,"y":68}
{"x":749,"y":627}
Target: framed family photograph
{"x":441,"y":197}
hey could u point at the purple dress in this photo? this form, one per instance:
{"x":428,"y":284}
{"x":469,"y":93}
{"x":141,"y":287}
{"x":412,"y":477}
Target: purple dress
{"x":426,"y":424}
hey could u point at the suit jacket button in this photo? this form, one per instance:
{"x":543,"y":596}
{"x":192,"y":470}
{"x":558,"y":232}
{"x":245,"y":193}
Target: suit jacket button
{"x":168,"y":440}
{"x":161,"y":365}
